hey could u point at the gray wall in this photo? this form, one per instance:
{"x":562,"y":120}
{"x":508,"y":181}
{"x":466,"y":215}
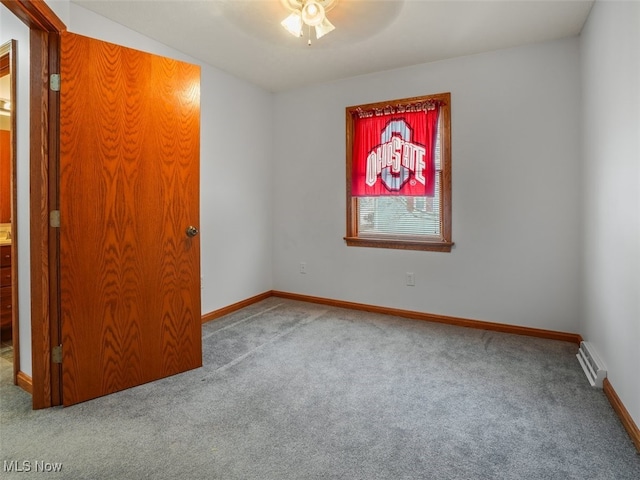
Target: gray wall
{"x":610,"y":48}
{"x":516,"y":191}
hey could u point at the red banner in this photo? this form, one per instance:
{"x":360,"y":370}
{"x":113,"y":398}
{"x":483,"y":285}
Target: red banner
{"x":394,"y":154}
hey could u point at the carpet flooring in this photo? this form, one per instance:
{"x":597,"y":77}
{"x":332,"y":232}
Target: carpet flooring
{"x":291,"y":390}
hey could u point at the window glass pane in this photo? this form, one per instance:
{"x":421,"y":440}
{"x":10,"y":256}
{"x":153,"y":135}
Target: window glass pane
{"x":400,"y":215}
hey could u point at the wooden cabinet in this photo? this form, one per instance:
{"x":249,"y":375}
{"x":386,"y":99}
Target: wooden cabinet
{"x":5,"y":290}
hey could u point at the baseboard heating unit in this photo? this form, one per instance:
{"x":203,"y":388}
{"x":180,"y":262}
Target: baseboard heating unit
{"x":591,"y":364}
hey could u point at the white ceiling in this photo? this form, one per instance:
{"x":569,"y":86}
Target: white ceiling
{"x":244,"y":37}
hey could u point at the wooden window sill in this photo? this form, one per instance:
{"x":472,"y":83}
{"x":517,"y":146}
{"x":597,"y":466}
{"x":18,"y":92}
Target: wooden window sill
{"x":401,"y":244}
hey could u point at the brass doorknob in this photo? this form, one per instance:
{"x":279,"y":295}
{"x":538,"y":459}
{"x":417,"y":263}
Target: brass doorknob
{"x":192,"y":231}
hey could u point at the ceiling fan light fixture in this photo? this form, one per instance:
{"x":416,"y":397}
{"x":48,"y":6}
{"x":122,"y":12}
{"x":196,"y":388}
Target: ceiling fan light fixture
{"x":293,"y":24}
{"x":311,"y":13}
{"x":325,"y":27}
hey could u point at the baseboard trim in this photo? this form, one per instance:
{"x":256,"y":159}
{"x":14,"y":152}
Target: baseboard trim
{"x":627,"y":422}
{"x":236,"y":306}
{"x":25,"y":382}
{"x":430,"y":317}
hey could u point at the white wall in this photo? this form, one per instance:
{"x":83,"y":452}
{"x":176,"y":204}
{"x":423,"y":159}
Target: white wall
{"x":610,"y":48}
{"x":12,"y":28}
{"x":516,"y":191}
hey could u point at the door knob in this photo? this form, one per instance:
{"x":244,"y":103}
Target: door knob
{"x":192,"y":231}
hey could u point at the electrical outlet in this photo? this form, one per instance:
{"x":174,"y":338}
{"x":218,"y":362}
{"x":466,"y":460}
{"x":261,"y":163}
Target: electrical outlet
{"x":410,"y":278}
{"x":303,"y":267}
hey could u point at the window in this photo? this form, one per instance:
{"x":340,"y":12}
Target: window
{"x":399,"y":174}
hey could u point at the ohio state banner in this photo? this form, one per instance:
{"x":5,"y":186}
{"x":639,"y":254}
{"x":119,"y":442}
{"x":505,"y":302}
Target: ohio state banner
{"x":393,"y":154}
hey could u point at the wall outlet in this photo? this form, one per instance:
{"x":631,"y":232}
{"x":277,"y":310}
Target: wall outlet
{"x":410,"y":278}
{"x":303,"y":267}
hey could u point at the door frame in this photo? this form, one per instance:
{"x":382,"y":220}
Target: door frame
{"x":45,"y":29}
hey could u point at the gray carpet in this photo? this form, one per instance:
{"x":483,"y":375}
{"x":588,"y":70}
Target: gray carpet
{"x":300,"y":391}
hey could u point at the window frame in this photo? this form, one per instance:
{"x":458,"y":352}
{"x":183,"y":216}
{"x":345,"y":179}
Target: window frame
{"x":444,"y":242}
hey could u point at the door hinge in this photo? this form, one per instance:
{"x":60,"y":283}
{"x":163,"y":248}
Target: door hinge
{"x":54,"y":218}
{"x":54,"y":82}
{"x":56,"y":354}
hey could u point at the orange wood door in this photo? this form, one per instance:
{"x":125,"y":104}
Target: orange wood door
{"x":129,"y":188}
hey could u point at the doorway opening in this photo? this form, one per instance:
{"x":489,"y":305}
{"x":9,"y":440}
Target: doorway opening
{"x":8,"y":206}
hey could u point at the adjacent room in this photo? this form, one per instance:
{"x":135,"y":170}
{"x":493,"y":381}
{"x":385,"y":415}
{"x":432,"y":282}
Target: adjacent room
{"x":430,"y":322}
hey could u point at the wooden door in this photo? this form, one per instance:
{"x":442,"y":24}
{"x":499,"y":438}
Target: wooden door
{"x":129,"y":189}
